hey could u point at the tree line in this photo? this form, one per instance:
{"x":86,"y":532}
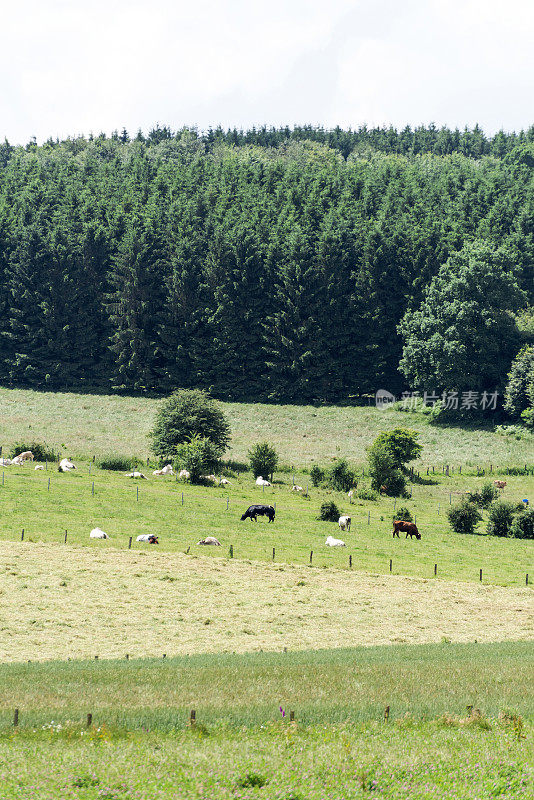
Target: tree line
{"x":272,"y":264}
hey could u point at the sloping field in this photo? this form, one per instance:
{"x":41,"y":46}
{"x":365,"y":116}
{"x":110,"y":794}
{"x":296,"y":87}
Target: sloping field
{"x":64,"y":602}
{"x":87,"y":425}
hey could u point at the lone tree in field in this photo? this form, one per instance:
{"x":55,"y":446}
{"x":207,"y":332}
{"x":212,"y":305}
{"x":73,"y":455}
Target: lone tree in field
{"x":263,"y":459}
{"x":186,"y":415}
{"x":388,"y":456}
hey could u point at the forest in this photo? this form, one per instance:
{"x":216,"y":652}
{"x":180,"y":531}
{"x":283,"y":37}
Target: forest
{"x":281,"y":265}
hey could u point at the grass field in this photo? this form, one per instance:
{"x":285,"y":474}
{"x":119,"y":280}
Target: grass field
{"x":87,"y":425}
{"x":69,"y":505}
{"x":139,"y":745}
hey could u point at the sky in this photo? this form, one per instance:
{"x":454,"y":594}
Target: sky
{"x":69,"y":67}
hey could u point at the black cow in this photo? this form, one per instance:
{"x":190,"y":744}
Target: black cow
{"x":253,"y":512}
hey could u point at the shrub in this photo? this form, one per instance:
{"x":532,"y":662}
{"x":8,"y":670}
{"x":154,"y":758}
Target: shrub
{"x":500,"y":518}
{"x":329,"y":512}
{"x":41,"y":452}
{"x":317,"y":475}
{"x":341,"y":477}
{"x":464,"y":516}
{"x":198,"y":456}
{"x":523,"y":525}
{"x":367,"y":494}
{"x":263,"y":459}
{"x":402,"y":445}
{"x":404,"y":514}
{"x":383,"y":470}
{"x":485,"y":497}
{"x":119,"y":463}
{"x":186,"y":415}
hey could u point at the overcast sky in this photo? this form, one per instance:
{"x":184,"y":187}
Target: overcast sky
{"x":69,"y":67}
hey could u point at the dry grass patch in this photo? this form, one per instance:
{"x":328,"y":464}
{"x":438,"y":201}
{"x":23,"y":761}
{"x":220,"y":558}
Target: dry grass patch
{"x":76,"y":602}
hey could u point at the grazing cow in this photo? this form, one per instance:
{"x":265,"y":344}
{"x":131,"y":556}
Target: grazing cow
{"x":499,"y":484}
{"x":210,"y":540}
{"x":253,"y":512}
{"x":26,"y":456}
{"x":39,"y":466}
{"x":184,"y":475}
{"x":261,"y":481}
{"x":331,"y":542}
{"x":210,"y":478}
{"x":296,"y":488}
{"x":96,"y":533}
{"x":147,"y":537}
{"x":409,"y":527}
{"x":224,"y":482}
{"x":344,"y":523}
{"x":65,"y":465}
{"x":136,"y":475}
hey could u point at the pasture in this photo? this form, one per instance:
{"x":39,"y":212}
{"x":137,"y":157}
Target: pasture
{"x":87,"y":425}
{"x":140,"y":745}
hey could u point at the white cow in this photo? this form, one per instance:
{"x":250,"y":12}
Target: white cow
{"x":211,"y":478}
{"x":224,"y":482}
{"x":27,"y":455}
{"x":97,"y":533}
{"x":296,"y":488}
{"x":5,"y":462}
{"x":39,"y":466}
{"x":331,"y":542}
{"x":136,"y":475}
{"x":65,"y":465}
{"x":184,"y":475}
{"x":344,"y":523}
{"x":147,"y":537}
{"x":164,"y":471}
{"x":17,"y":461}
{"x":261,"y":481}
{"x":210,"y":540}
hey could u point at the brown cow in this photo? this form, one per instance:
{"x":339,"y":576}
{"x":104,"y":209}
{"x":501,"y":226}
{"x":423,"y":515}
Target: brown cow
{"x":409,"y":527}
{"x":499,"y":484}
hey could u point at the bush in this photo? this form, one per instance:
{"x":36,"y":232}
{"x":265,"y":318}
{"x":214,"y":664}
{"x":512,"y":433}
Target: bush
{"x":329,"y":512}
{"x":317,"y":475}
{"x":186,"y":415}
{"x":485,"y":497}
{"x":464,"y":516}
{"x":523,"y":525}
{"x":199,"y":456}
{"x":500,"y":518}
{"x":263,"y":459}
{"x":119,"y":463}
{"x":404,"y":514}
{"x":41,"y":452}
{"x":402,"y":445}
{"x":341,"y":477}
{"x":367,"y":494}
{"x":383,"y":469}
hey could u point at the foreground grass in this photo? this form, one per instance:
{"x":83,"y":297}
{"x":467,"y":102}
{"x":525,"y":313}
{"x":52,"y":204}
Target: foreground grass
{"x":322,"y":687}
{"x":441,"y":760}
{"x":87,"y":425}
{"x":72,"y":602}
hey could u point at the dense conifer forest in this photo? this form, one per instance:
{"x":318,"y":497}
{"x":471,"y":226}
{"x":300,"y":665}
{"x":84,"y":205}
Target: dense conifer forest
{"x":271,"y":264}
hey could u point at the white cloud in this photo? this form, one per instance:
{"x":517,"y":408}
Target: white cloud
{"x":67,"y":68}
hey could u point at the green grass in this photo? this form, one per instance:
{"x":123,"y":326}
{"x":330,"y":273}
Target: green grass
{"x":140,"y":746}
{"x":26,"y":503}
{"x":322,"y":687}
{"x":87,"y":425}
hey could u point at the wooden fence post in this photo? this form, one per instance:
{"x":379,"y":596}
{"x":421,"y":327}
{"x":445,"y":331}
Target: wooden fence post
{"x":273,"y":553}
{"x":311,"y":556}
{"x":137,"y":488}
{"x":16,"y":718}
{"x":435,"y":570}
{"x":391,"y":565}
{"x":192,"y":717}
{"x":231,"y":551}
{"x":292,"y":716}
{"x":89,"y":721}
{"x":49,"y":484}
{"x":22,"y":539}
{"x":130,"y":543}
{"x":386,"y":714}
{"x":480,"y":574}
{"x":65,"y":537}
{"x":350,"y":562}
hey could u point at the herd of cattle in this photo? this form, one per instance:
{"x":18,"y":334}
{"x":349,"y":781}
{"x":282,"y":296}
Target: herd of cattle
{"x":252,"y":512}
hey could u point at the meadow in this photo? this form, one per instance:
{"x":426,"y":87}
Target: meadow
{"x":243,"y":745}
{"x":85,"y":425}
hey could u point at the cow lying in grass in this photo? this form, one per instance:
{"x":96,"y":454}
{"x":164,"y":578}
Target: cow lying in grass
{"x":253,"y":512}
{"x":409,"y":527}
